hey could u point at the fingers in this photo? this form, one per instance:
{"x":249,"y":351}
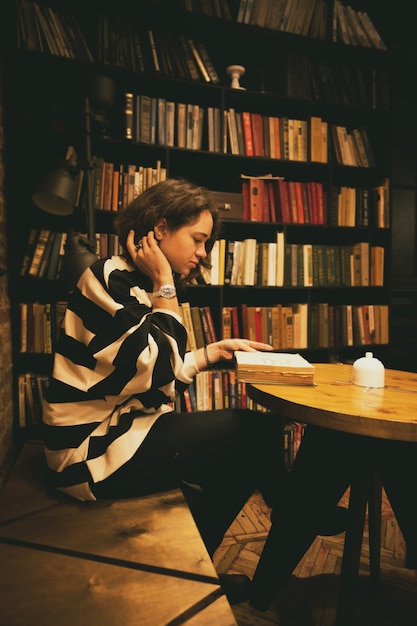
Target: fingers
{"x":261,"y":346}
{"x":245,"y":344}
{"x":130,"y":243}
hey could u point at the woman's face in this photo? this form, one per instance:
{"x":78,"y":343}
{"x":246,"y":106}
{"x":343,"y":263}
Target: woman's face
{"x":186,"y":246}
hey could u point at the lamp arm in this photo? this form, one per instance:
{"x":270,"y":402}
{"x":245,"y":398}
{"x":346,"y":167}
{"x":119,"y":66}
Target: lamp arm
{"x":91,"y":231}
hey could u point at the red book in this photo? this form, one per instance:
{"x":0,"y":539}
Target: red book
{"x":300,"y":202}
{"x":226,"y":322}
{"x":247,"y":133}
{"x":257,"y":188}
{"x":236,"y":332}
{"x":242,"y":395}
{"x":320,"y":203}
{"x":115,"y":191}
{"x":317,"y":196}
{"x":259,"y":335}
{"x":187,"y":401}
{"x":258,"y":134}
{"x":107,"y":187}
{"x":310,"y":201}
{"x":273,"y":217}
{"x":306,"y":206}
{"x":284,"y":201}
{"x":244,"y":320}
{"x":293,"y":202}
{"x":314,"y":208}
{"x":210,"y":324}
{"x":266,"y":213}
{"x":366,"y":324}
{"x":246,"y":199}
{"x":251,"y":316}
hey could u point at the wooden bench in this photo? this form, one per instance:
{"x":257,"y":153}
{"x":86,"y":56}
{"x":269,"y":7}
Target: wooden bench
{"x":139,"y":561}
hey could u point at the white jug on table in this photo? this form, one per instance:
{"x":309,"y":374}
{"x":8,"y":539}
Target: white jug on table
{"x":368,"y":371}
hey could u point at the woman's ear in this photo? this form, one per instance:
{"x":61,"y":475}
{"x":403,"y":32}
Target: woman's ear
{"x":160,"y":229}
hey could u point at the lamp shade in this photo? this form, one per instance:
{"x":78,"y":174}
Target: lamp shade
{"x":57,"y":191}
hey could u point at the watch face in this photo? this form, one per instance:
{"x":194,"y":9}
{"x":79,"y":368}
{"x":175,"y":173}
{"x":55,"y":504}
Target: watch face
{"x":167,"y":291}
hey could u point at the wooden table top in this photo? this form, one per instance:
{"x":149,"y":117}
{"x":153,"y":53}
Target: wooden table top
{"x":334,"y":402}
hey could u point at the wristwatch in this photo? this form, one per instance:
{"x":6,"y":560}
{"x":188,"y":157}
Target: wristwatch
{"x":165,"y":291}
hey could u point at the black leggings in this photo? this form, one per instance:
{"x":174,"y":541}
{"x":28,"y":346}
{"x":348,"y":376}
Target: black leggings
{"x":218,"y":458}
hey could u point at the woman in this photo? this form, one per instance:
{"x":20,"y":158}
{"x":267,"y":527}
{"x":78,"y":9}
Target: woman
{"x":109,"y":429}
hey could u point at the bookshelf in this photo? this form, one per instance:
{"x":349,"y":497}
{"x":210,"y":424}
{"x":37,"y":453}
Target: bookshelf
{"x":177,"y":115}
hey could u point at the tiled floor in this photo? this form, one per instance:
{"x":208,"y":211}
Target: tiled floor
{"x":310,"y":597}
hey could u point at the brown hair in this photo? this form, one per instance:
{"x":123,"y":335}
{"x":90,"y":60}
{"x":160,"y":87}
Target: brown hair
{"x":177,"y":200}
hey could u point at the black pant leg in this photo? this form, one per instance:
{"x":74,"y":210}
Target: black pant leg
{"x":218,"y":458}
{"x":396,"y":463}
{"x":323,"y":469}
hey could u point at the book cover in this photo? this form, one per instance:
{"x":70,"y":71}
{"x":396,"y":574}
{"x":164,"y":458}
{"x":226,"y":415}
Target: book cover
{"x":283,"y":200}
{"x":203,"y":70}
{"x":145,"y":119}
{"x":181,"y":134}
{"x":198,"y":327}
{"x":226,"y":322}
{"x":257,"y":199}
{"x":188,"y":323}
{"x":293,"y":202}
{"x":258,"y":134}
{"x":232,"y":130}
{"x":208,"y":63}
{"x":247,"y":133}
{"x":208,"y":324}
{"x":170,"y":123}
{"x":128,"y":111}
{"x":30,"y":249}
{"x":239,"y":132}
{"x":273,"y":367}
{"x":38,"y":252}
{"x":47,"y":255}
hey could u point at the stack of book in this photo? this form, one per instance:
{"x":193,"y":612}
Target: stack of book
{"x":274,"y":367}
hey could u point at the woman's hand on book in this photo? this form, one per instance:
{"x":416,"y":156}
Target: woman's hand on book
{"x":225,"y":349}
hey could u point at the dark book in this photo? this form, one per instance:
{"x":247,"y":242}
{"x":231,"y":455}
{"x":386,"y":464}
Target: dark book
{"x":154,"y":52}
{"x":179,"y":64}
{"x":239,"y":132}
{"x":208,"y":324}
{"x":228,"y":264}
{"x":363,"y":137}
{"x":47,"y":255}
{"x":129,"y":115}
{"x":38,"y":252}
{"x":247,"y":133}
{"x":206,"y":59}
{"x":30,"y":249}
{"x":145,"y":119}
{"x":163,"y":53}
{"x":283,"y":200}
{"x":200,"y":64}
{"x":77,"y":38}
{"x":198,"y":326}
{"x":189,"y":58}
{"x":138,"y":52}
{"x":258,"y":134}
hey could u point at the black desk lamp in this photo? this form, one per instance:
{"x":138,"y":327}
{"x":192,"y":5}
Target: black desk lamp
{"x":57,"y":191}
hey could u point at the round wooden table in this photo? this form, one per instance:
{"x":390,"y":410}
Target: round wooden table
{"x":334,"y":402}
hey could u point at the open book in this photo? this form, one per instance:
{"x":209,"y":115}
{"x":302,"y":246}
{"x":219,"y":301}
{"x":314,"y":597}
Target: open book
{"x":274,"y":367}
